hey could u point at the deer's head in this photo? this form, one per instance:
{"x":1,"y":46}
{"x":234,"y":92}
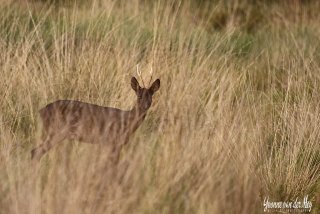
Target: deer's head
{"x":144,"y":95}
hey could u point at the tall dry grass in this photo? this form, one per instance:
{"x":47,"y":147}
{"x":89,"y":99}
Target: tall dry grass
{"x":237,"y":117}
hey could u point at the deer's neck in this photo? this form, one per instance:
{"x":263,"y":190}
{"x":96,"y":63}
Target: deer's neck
{"x":136,"y":117}
{"x":137,"y":114}
{"x":133,"y":119}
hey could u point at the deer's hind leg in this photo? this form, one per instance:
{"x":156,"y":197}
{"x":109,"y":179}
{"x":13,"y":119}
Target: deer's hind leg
{"x":49,"y":140}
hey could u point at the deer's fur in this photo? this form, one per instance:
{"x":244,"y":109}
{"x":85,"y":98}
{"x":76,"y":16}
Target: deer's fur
{"x":89,"y":123}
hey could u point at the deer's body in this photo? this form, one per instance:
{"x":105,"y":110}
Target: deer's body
{"x":89,"y":123}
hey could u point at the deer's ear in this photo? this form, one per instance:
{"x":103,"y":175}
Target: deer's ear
{"x":155,"y":86}
{"x":135,"y":84}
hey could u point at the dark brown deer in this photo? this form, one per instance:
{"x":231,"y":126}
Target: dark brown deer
{"x":85,"y":122}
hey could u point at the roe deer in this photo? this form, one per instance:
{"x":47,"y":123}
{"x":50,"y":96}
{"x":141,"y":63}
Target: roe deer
{"x":74,"y":120}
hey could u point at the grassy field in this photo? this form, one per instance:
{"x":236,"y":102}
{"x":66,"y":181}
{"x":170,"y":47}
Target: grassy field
{"x":236,"y":120}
